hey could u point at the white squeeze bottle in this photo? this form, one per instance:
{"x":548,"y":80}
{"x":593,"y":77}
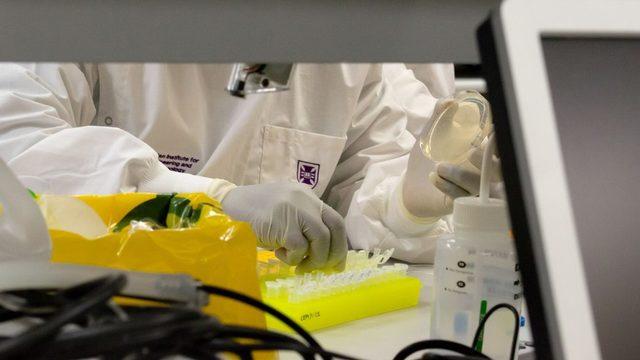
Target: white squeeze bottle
{"x":476,"y":268}
{"x":23,"y":231}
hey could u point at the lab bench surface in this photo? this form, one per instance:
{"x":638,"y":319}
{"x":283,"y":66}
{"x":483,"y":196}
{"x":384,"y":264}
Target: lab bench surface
{"x":383,"y":336}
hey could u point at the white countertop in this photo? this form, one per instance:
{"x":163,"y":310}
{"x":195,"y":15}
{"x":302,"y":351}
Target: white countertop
{"x":383,"y":336}
{"x":378,"y":337}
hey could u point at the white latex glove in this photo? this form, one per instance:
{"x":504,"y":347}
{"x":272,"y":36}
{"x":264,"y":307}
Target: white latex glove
{"x":457,"y":180}
{"x":429,"y":188}
{"x":290,"y":219}
{"x":420,"y":197}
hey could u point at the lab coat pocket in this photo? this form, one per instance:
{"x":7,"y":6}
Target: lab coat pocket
{"x":301,"y":156}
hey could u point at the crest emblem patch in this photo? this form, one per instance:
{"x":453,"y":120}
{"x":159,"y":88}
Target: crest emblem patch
{"x":308,"y":173}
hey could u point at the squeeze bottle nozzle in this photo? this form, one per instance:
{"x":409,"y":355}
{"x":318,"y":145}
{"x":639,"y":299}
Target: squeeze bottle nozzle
{"x":487,"y":166}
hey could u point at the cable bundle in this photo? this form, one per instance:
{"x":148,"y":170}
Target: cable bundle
{"x":84,"y":322}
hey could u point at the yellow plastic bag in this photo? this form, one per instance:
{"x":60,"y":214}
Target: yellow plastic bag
{"x":177,"y":233}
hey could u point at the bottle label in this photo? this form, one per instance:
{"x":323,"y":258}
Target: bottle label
{"x":470,"y":278}
{"x":490,"y":273}
{"x":459,"y":269}
{"x":459,"y":285}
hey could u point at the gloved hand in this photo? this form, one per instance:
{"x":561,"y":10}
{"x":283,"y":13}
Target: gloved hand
{"x":456,"y":180}
{"x":429,"y":188}
{"x":290,"y":219}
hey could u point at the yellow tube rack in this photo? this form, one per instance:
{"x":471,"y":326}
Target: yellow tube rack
{"x":318,"y":301}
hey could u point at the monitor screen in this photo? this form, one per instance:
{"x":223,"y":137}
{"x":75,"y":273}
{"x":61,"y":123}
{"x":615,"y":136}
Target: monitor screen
{"x":595,"y":85}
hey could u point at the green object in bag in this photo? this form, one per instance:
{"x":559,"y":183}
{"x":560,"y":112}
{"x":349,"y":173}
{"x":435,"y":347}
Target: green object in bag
{"x":164,"y":211}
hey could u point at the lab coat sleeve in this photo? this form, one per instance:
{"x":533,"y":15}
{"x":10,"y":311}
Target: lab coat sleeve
{"x":438,"y":77}
{"x":414,"y":96}
{"x":366,"y":183}
{"x":45,"y":137}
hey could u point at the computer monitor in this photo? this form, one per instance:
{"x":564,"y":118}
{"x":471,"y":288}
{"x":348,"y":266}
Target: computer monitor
{"x":564,"y":81}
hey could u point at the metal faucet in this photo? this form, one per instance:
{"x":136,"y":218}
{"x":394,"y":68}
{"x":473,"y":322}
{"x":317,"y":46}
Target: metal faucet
{"x":249,"y":78}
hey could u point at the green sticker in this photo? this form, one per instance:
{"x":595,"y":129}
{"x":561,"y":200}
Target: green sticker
{"x":483,"y":312}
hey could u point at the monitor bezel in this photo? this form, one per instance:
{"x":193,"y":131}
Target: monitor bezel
{"x":541,"y":196}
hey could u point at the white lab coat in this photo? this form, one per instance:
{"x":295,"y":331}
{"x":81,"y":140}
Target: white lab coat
{"x":68,"y":129}
{"x":438,"y":77}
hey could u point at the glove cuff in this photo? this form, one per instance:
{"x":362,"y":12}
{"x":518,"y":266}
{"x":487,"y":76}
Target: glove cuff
{"x":219,"y":188}
{"x":400,"y":220}
{"x":160,"y":179}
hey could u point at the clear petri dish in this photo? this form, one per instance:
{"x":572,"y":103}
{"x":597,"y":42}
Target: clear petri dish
{"x":457,"y":128}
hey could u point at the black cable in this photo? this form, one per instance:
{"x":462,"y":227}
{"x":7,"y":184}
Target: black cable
{"x":232,"y":346}
{"x":267,"y":335}
{"x":230,"y":331}
{"x":102,"y":290}
{"x":214,"y":290}
{"x":516,"y":330}
{"x":438,"y":344}
{"x":154,"y":329}
{"x":335,"y":355}
{"x":197,"y":353}
{"x":432,"y":356}
{"x":146,"y":332}
{"x":158,"y":330}
{"x":33,"y":301}
{"x":6,"y":315}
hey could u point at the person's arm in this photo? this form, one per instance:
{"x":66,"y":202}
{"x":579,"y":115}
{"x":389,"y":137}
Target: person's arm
{"x":367,"y":184}
{"x":438,"y":77}
{"x":415,"y":98}
{"x":45,"y":137}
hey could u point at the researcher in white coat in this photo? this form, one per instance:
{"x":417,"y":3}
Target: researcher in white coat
{"x":339,"y":134}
